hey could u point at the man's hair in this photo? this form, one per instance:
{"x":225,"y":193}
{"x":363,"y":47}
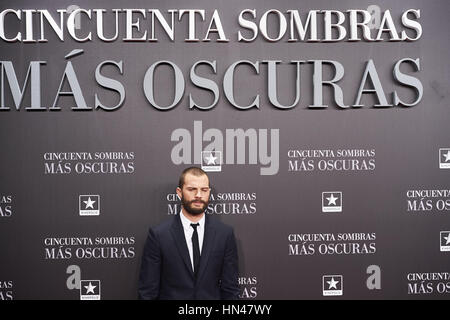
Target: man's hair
{"x":191,"y":170}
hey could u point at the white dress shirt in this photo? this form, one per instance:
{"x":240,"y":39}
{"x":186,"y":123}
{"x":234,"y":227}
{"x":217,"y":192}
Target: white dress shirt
{"x":188,"y":232}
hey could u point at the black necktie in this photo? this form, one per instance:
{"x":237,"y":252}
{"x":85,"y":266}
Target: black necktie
{"x":195,"y":247}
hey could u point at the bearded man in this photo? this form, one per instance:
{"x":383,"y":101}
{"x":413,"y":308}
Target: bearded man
{"x":191,"y":256}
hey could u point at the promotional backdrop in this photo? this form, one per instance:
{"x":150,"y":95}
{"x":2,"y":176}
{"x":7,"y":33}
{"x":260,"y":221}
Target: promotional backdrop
{"x":330,"y":159}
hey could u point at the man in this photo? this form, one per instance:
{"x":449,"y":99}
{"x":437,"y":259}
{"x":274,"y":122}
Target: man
{"x":192,"y":255}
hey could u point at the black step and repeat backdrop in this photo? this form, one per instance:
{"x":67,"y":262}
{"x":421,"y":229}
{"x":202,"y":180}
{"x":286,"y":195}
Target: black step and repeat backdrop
{"x":324,"y":127}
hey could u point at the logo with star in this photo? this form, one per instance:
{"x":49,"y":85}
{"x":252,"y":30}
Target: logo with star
{"x":89,"y":205}
{"x":212,"y":161}
{"x":444,"y":158}
{"x":332,"y":201}
{"x":90,"y":290}
{"x":445,"y":241}
{"x":332,"y":285}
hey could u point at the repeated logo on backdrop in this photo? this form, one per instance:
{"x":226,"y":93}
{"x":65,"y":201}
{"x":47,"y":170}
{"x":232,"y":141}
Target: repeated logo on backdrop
{"x":89,"y":205}
{"x":82,"y":162}
{"x":221,"y":203}
{"x":427,"y":283}
{"x":6,"y":206}
{"x":328,"y":244}
{"x":445,"y":241}
{"x":333,"y":285}
{"x":90,"y":290}
{"x":6,"y":290}
{"x":332,"y":201}
{"x":211,"y":161}
{"x":444,"y":158}
{"x":428,"y":201}
{"x":331,"y":160}
{"x":84,"y":247}
{"x":249,"y":287}
{"x":354,"y":243}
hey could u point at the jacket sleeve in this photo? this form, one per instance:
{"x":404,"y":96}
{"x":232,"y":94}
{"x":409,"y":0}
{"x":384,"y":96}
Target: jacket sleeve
{"x":149,"y":277}
{"x":229,"y":289}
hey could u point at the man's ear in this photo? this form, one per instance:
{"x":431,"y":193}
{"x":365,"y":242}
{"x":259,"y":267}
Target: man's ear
{"x":178,"y":191}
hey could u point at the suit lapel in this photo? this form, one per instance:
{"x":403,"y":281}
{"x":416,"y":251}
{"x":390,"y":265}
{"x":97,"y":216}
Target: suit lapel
{"x":208,"y":241}
{"x":180,"y":241}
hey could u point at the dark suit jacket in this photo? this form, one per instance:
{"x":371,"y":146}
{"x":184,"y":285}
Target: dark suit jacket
{"x":166,"y":270}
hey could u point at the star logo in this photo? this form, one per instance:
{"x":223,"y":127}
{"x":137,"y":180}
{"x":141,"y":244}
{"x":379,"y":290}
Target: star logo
{"x":89,"y":203}
{"x":332,"y":201}
{"x":445,"y":241}
{"x":447,"y":238}
{"x":444,"y":158}
{"x":447,"y":156}
{"x":332,"y":285}
{"x":90,"y":288}
{"x":212,"y":161}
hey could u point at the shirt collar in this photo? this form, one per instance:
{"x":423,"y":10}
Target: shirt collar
{"x":187,"y":223}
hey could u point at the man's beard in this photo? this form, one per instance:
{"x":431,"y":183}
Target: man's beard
{"x":187,"y":205}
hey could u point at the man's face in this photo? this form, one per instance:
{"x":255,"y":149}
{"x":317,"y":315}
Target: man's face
{"x":195,"y":194}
